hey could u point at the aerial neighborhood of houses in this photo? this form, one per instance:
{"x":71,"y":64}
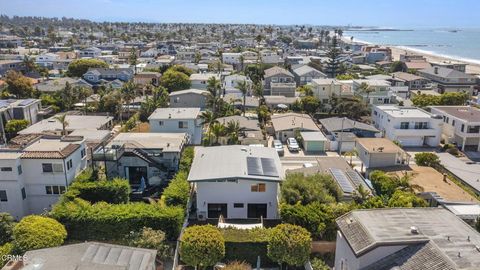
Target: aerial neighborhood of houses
{"x":123,"y":133}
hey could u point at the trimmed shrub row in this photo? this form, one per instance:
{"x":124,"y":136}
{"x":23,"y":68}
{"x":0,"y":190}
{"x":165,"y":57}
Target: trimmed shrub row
{"x":103,"y":221}
{"x":112,"y":191}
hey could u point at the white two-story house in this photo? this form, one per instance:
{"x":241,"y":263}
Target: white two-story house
{"x":236,"y":182}
{"x":409,"y":126}
{"x":33,"y":177}
{"x":178,"y":120}
{"x":461,"y":126}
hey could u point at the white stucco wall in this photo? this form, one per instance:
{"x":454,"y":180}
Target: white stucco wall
{"x":237,"y":192}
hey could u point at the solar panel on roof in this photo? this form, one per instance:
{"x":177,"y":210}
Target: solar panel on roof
{"x":268,"y":166}
{"x":254,"y":166}
{"x":342,"y":180}
{"x":261,"y":167}
{"x":356,"y":179}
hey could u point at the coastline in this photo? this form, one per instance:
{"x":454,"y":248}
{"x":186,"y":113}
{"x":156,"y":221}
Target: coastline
{"x":473,"y":66}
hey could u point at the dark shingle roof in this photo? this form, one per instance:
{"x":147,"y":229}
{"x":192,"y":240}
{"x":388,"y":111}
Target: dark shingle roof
{"x":415,"y":257}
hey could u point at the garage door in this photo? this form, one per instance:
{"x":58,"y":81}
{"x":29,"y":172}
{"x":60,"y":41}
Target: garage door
{"x":315,"y":146}
{"x":411,"y":141}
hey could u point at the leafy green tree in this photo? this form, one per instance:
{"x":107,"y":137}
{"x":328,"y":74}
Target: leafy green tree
{"x":255,"y":73}
{"x":289,"y":244}
{"x":319,"y":264}
{"x":424,"y":100}
{"x":263,"y":114}
{"x":306,"y":189}
{"x":182,"y":69}
{"x":383,"y":183}
{"x":305,"y":89}
{"x":175,"y":80}
{"x":310,"y":104}
{"x":361,"y":194}
{"x":159,"y":99}
{"x":15,"y":125}
{"x":150,"y":239}
{"x":406,"y":199}
{"x":6,"y":249}
{"x":373,"y":202}
{"x":397,"y":66}
{"x":18,"y":85}
{"x":318,"y":218}
{"x":453,"y":98}
{"x":202,"y":246}
{"x":35,"y":232}
{"x":79,"y":67}
{"x":236,"y":265}
{"x":133,"y":58}
{"x":6,"y":227}
{"x":426,"y":159}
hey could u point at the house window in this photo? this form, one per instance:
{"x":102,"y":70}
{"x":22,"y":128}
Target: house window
{"x":24,"y":194}
{"x":3,"y":196}
{"x":69,"y":164}
{"x":6,"y":169}
{"x":83,"y":152}
{"x":421,"y":125}
{"x":404,"y":125}
{"x":257,"y":188}
{"x":161,"y":123}
{"x":57,"y":167}
{"x":19,"y":168}
{"x":47,"y":167}
{"x":453,"y":122}
{"x":54,"y":190}
{"x":183,"y":124}
{"x":463,"y":127}
{"x":238,"y":205}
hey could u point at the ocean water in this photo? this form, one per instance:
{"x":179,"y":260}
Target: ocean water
{"x":462,"y":45}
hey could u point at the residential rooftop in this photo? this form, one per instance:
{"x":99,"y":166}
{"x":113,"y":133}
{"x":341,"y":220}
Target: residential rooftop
{"x":190,"y":91}
{"x":406,"y":112}
{"x":74,"y":122}
{"x":168,"y":142}
{"x":434,"y":238}
{"x":236,"y":162}
{"x":89,"y":255}
{"x":175,"y":113}
{"x":288,"y":121}
{"x":467,"y":113}
{"x":379,"y":145}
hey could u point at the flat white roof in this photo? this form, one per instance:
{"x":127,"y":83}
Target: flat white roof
{"x":169,"y":142}
{"x":406,"y":112}
{"x":175,"y":113}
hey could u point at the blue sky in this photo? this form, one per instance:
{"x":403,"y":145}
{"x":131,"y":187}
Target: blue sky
{"x":387,"y":13}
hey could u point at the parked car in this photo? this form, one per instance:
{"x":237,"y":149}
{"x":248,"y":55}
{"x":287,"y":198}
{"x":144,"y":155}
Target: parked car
{"x":292,"y":145}
{"x":277,"y":144}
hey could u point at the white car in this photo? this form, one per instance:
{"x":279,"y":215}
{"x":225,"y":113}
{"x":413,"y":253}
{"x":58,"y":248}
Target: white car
{"x":277,"y":144}
{"x":292,"y":145}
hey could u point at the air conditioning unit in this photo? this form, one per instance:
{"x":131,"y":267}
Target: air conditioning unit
{"x":202,"y":216}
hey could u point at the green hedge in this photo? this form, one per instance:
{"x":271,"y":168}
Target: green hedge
{"x":178,"y":191}
{"x":247,"y":245}
{"x":103,"y":221}
{"x":111,"y":191}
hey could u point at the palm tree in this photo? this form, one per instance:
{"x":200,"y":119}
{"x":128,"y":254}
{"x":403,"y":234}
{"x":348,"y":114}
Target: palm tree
{"x":217,"y":130}
{"x":351,"y":154}
{"x":233,"y":129}
{"x":62,"y":119}
{"x":214,"y":87}
{"x":365,"y":88}
{"x":243,"y":87}
{"x":404,"y":182}
{"x":208,"y":118}
{"x":28,"y":63}
{"x":128,"y":92}
{"x":361,"y":194}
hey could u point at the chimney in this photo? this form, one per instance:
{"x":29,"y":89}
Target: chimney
{"x":435,"y":70}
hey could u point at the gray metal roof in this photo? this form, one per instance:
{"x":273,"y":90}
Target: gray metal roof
{"x":469,"y":173}
{"x":235,"y":162}
{"x":446,"y":73}
{"x":92,"y":256}
{"x":449,"y":236}
{"x":334,"y":124}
